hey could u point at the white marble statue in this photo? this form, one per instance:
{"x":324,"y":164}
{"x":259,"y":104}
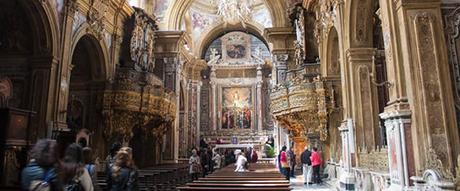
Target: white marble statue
{"x":258,"y":54}
{"x":213,"y":58}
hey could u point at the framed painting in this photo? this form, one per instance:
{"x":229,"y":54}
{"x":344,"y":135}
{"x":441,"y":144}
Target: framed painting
{"x":237,"y":108}
{"x":236,"y":46}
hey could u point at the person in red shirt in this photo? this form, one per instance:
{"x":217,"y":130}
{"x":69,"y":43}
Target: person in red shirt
{"x":316,"y":164}
{"x":284,"y":158}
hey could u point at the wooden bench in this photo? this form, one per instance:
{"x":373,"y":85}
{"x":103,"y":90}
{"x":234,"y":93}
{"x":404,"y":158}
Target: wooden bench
{"x":259,"y":177}
{"x":234,"y":188}
{"x":161,"y":177}
{"x":221,"y":184}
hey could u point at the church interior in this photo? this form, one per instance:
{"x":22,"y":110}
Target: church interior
{"x":373,"y":85}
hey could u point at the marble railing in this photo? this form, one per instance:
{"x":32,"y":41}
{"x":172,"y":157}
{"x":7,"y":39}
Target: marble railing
{"x":372,"y":172}
{"x":432,"y":180}
{"x":367,"y":180}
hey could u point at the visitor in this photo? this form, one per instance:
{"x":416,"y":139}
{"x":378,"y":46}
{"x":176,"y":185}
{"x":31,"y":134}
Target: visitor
{"x":240,"y":161}
{"x":247,"y":152}
{"x":72,"y":170}
{"x":121,"y":173}
{"x":316,"y":164}
{"x":205,"y":160}
{"x":133,"y":173}
{"x":284,"y":161}
{"x":211,"y":162}
{"x":89,"y":164}
{"x":254,"y":156}
{"x":292,"y":162}
{"x":195,"y":165}
{"x":278,"y":161}
{"x":306,"y":165}
{"x":110,"y":159}
{"x":41,"y":172}
{"x":217,"y":160}
{"x":203,"y":143}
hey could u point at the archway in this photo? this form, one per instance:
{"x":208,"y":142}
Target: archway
{"x":27,"y":54}
{"x":87,"y":83}
{"x":333,"y":71}
{"x":28,"y":72}
{"x":333,"y":58}
{"x":178,"y":8}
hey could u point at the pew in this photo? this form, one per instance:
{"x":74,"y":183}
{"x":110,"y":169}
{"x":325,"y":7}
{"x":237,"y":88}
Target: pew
{"x":161,"y":177}
{"x":259,"y":177}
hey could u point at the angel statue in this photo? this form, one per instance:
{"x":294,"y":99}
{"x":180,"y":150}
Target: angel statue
{"x":213,"y":58}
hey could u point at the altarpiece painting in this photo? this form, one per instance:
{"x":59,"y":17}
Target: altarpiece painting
{"x":237,"y":108}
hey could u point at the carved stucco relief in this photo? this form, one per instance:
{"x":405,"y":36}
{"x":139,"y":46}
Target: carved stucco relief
{"x":429,"y":81}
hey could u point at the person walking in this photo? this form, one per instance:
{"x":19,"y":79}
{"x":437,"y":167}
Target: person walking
{"x":195,"y":165}
{"x":121,"y":173}
{"x":72,"y":170}
{"x":41,"y":173}
{"x":292,"y":162}
{"x":306,"y":165}
{"x":284,"y":161}
{"x":88,"y":161}
{"x":316,"y":164}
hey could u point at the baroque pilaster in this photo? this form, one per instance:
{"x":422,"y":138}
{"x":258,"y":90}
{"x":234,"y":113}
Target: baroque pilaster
{"x":418,"y":69}
{"x":364,"y":94}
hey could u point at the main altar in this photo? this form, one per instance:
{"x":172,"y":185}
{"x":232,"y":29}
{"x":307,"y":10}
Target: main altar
{"x":238,"y":91}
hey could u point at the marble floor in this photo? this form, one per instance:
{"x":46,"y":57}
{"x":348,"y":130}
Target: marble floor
{"x":297,"y":185}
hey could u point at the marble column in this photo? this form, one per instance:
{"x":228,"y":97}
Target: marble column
{"x":213,"y":103}
{"x":259,"y":82}
{"x":198,"y":112}
{"x":178,"y":118}
{"x":188,"y":113}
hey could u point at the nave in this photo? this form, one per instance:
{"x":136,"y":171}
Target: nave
{"x":373,"y":86}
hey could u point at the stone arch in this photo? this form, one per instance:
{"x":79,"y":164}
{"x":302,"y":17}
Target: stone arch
{"x":87,"y":81}
{"x":209,"y":36}
{"x":100,"y":46}
{"x":46,"y":29}
{"x":178,"y":8}
{"x":333,"y":53}
{"x":359,"y":14}
{"x":30,"y":42}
